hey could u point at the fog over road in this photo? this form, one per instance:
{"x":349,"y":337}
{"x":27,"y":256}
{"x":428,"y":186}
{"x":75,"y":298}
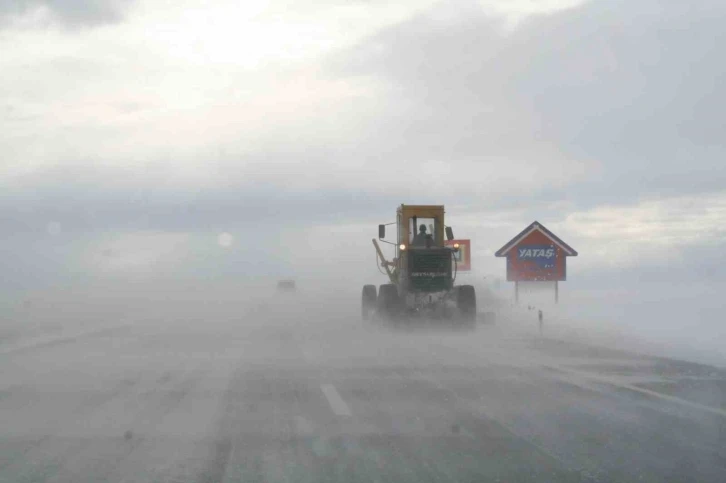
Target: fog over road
{"x":299,"y":391}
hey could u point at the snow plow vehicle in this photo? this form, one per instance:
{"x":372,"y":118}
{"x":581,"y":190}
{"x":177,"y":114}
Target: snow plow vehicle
{"x":422,"y":274}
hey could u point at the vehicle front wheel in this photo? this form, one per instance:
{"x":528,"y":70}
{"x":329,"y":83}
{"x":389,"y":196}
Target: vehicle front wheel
{"x":466,"y":302}
{"x":368,"y":301}
{"x":387,"y":300}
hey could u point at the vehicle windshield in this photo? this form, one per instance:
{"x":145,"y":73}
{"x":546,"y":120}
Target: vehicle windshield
{"x":422,"y":229}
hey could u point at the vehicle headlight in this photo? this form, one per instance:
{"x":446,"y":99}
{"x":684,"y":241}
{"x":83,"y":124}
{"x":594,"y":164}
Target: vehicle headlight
{"x":402,"y":246}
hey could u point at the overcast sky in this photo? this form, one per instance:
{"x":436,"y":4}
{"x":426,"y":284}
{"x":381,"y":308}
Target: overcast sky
{"x":209,"y":138}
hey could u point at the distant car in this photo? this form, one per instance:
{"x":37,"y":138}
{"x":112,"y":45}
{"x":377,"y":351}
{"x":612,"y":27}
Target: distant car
{"x":286,"y":286}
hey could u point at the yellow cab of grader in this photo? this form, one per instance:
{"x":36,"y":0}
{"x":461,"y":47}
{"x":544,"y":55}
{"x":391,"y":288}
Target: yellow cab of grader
{"x":423,"y":271}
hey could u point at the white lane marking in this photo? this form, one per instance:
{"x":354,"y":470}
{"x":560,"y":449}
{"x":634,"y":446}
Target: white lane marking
{"x":666,"y":397}
{"x":336,"y":402}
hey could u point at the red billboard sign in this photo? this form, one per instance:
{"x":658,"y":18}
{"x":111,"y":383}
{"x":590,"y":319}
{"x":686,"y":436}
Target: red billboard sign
{"x":536,"y":255}
{"x":463,"y":256}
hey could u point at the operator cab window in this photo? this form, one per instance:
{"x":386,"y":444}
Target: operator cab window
{"x":416,"y":236}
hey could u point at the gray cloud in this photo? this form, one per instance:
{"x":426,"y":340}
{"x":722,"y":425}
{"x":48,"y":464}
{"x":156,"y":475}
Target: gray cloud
{"x":88,"y":199}
{"x":581,"y":105}
{"x":71,"y":13}
{"x":636,"y":88}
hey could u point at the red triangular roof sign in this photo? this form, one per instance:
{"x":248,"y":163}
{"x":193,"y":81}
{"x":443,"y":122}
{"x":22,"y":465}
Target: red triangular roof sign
{"x":536,"y":226}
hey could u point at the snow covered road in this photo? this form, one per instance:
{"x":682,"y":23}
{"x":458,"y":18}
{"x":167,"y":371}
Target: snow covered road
{"x":294,"y":395}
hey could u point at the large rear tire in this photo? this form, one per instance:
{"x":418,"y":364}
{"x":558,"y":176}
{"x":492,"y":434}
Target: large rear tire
{"x":368,"y":301}
{"x":387,"y":301}
{"x":466,"y":302}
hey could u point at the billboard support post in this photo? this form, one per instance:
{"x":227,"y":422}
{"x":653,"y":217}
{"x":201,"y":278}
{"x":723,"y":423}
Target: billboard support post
{"x":516,"y":293}
{"x":557,"y":292}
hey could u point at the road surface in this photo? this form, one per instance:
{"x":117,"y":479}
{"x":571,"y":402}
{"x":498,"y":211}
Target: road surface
{"x":273,"y":395}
